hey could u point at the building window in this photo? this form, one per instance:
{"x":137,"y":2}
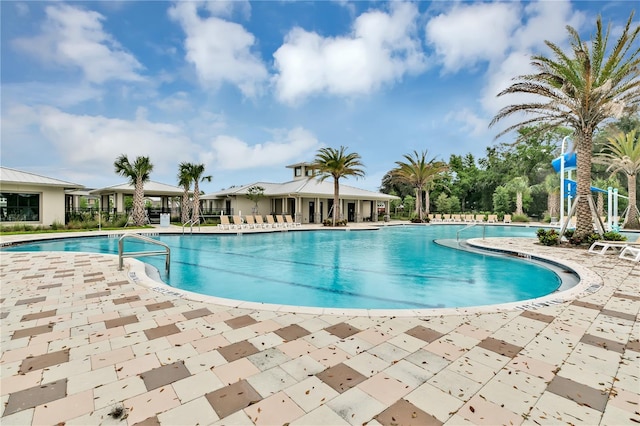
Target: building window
{"x":298,"y":171}
{"x":310,"y":172}
{"x":15,"y":207}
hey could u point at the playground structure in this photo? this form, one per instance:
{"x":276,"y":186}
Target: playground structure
{"x":565,"y":164}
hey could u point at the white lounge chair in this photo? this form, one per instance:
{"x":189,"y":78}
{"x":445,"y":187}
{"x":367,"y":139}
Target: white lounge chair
{"x":290,"y":222}
{"x":224,"y":223}
{"x":507,"y":218}
{"x":601,"y":247}
{"x":631,"y":253}
{"x":260,"y":222}
{"x":250,"y":222}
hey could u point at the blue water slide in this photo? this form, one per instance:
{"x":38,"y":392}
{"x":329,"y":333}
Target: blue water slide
{"x":570,"y":187}
{"x":570,"y":162}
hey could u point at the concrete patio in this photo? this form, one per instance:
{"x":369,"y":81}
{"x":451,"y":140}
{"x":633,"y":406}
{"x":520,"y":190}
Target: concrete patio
{"x":85,"y":344}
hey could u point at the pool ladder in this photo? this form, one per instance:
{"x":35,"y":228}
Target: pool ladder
{"x":122,"y":254}
{"x":484,"y":229}
{"x":191,"y":223}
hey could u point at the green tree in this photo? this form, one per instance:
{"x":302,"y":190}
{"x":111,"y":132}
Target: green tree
{"x":581,"y":89}
{"x":409,"y":203}
{"x":255,"y":193}
{"x":501,"y":200}
{"x":419,"y":172}
{"x":137,"y":173}
{"x":622,"y":155}
{"x":551,"y":186}
{"x":465,"y":177}
{"x":336,"y":163}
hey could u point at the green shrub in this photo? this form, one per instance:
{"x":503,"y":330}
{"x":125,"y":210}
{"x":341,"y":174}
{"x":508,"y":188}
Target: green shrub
{"x":520,"y":218}
{"x":57,"y":225}
{"x":548,"y":238}
{"x":613,"y":236}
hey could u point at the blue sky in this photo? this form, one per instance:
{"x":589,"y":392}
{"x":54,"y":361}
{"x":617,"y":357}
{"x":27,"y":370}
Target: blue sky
{"x":249,"y":87}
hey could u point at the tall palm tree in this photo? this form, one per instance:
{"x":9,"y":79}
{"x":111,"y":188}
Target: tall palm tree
{"x":184,"y":180}
{"x":519,"y":185}
{"x":622,"y":154}
{"x":580,"y":89}
{"x":336,"y":163}
{"x":137,"y":173}
{"x":196,"y":172}
{"x":419,"y":172}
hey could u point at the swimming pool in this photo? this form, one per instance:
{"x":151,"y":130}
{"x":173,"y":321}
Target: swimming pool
{"x":393,"y":268}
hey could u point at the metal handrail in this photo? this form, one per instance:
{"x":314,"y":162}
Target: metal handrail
{"x":484,"y":229}
{"x":122,"y":254}
{"x":191,"y":223}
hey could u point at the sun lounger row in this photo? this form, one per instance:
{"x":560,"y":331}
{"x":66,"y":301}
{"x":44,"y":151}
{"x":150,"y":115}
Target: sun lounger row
{"x":468,"y":218}
{"x":255,"y":222}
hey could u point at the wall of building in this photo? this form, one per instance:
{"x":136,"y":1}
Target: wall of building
{"x":52,"y":202}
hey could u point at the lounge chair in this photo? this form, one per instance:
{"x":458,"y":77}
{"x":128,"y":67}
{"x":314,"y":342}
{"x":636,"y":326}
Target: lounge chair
{"x":446,"y":218}
{"x":237,"y":221}
{"x":271,"y":222}
{"x":492,"y":218}
{"x":631,"y":253}
{"x":507,"y":218}
{"x":260,"y":222}
{"x":224,"y":223}
{"x":468,"y":218}
{"x":456,"y":218}
{"x":289,"y":220}
{"x":250,"y":222}
{"x":281,"y":222}
{"x":479,"y":218}
{"x":436,"y":217}
{"x":601,"y":247}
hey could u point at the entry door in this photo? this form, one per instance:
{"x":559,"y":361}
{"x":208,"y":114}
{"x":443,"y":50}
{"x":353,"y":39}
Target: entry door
{"x":312,"y":212}
{"x":351,"y":212}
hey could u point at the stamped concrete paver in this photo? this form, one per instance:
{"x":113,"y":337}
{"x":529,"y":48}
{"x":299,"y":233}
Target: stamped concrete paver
{"x":80,"y":339}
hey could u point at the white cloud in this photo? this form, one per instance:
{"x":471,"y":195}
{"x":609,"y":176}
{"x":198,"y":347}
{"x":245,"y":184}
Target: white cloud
{"x":22,"y":8}
{"x":220,"y":50}
{"x":467,"y":35}
{"x":59,"y":94}
{"x":471,"y":122}
{"x":88,"y":143}
{"x":230,"y":153}
{"x":382,"y":48}
{"x":73,"y":37}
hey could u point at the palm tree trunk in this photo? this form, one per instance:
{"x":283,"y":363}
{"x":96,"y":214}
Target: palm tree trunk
{"x":419,"y":202}
{"x":336,"y":200}
{"x":519,"y":203}
{"x":633,"y":221}
{"x":427,"y":202}
{"x":600,"y":204}
{"x":583,"y":212}
{"x":552,"y":204}
{"x":138,"y":203}
{"x":185,"y":207}
{"x":195,"y":210}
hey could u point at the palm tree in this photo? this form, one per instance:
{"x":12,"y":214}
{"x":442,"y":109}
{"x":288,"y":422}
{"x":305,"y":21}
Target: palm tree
{"x":419,"y":173}
{"x":581,"y":90}
{"x":196,"y":172}
{"x":519,"y":185}
{"x":184,"y":180}
{"x":622,"y":154}
{"x":138,"y":174}
{"x":551,"y":185}
{"x":335,"y":163}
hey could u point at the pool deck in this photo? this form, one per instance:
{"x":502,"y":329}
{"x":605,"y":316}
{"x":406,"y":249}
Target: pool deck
{"x":82,"y":340}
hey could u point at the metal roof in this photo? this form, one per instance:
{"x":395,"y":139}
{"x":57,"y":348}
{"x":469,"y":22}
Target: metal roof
{"x":302,"y":188}
{"x":151,"y":188}
{"x":8,"y":175}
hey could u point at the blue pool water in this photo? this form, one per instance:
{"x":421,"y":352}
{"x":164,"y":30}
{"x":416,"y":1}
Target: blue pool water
{"x":395,"y":267}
